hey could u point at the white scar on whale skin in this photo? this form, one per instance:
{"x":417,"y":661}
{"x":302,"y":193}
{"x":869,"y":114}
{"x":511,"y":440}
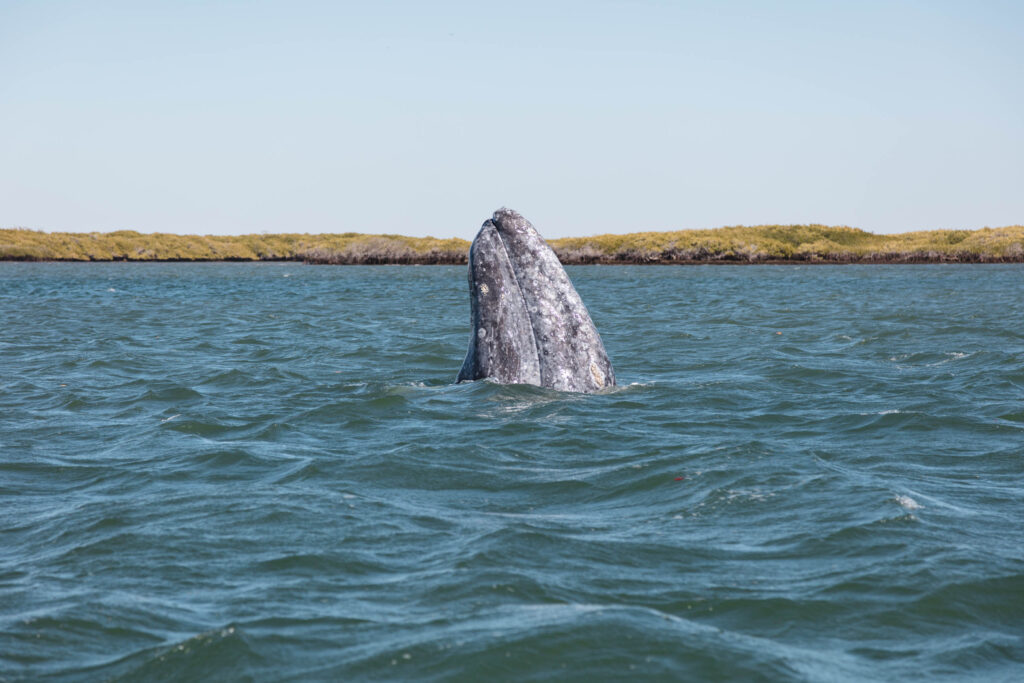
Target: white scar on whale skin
{"x":537,"y":330}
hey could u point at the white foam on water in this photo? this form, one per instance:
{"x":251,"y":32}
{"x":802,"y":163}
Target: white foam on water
{"x":950,"y":357}
{"x":908,"y":503}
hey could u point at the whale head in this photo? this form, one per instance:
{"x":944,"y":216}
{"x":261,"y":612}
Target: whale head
{"x":529,"y":324}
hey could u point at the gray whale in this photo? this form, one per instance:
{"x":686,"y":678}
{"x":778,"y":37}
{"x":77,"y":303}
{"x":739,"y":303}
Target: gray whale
{"x":529,"y":324}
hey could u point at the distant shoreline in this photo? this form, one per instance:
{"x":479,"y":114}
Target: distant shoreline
{"x":740,"y":245}
{"x":719,"y":262}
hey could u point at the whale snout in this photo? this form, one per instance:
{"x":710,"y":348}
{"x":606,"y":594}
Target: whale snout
{"x":513,"y":228}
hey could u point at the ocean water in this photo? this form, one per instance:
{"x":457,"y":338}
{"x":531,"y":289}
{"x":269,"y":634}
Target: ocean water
{"x":264,"y":471}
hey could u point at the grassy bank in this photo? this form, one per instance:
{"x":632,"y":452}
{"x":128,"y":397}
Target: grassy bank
{"x":759,"y":244}
{"x":797,"y":243}
{"x":127,"y":245}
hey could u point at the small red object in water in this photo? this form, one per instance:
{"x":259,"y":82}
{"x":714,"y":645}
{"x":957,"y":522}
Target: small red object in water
{"x":680,"y":478}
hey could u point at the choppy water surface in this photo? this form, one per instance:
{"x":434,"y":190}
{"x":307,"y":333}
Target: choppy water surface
{"x":231,"y":470}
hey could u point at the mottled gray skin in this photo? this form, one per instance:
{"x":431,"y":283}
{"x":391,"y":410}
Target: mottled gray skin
{"x":502,"y":345}
{"x":529,"y":324}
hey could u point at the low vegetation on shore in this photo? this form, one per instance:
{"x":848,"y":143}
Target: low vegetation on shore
{"x":128,"y":245}
{"x":758,"y":244}
{"x":797,"y":243}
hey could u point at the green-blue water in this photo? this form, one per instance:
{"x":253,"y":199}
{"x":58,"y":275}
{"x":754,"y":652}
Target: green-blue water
{"x":224,"y":471}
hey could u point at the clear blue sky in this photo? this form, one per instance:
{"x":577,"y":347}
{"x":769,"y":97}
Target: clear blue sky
{"x":588,"y":117}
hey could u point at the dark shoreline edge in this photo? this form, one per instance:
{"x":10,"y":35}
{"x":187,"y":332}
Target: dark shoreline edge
{"x":910,"y":259}
{"x":737,"y":245}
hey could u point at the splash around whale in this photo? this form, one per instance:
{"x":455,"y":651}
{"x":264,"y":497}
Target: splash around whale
{"x":529,"y":324}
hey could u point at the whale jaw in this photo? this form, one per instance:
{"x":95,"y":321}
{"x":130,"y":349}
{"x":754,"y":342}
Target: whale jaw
{"x":529,"y":324}
{"x":502,"y":345}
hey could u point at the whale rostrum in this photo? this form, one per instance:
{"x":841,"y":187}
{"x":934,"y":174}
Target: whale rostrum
{"x":529,"y":324}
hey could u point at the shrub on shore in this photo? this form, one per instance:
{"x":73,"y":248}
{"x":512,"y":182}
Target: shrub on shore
{"x":127,"y":245}
{"x":738,"y":244}
{"x":796,"y":243}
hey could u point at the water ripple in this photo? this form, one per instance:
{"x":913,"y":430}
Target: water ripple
{"x":217,"y":471}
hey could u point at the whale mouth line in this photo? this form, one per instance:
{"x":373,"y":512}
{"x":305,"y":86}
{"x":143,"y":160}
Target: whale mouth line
{"x":518,"y":283}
